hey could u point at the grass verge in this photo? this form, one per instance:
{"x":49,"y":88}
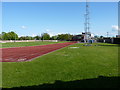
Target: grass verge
{"x":22,"y":44}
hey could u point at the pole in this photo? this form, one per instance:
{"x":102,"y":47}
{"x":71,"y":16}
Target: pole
{"x":39,"y":36}
{"x":107,"y":34}
{"x":9,"y":35}
{"x":42,"y":36}
{"x":15,"y":37}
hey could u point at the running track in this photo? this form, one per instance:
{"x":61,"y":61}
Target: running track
{"x":18,"y":54}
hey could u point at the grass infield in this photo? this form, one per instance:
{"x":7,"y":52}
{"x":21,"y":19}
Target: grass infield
{"x":65,"y":65}
{"x":22,"y":44}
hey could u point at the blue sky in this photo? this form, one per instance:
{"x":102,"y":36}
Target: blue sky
{"x":34,"y":18}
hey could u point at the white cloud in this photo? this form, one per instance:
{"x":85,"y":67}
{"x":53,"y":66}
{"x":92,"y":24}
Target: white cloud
{"x":23,"y":27}
{"x":33,"y":35}
{"x":92,"y":35}
{"x":50,"y":32}
{"x":115,"y":28}
{"x":47,"y":30}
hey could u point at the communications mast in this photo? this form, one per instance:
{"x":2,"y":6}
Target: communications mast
{"x":87,"y":34}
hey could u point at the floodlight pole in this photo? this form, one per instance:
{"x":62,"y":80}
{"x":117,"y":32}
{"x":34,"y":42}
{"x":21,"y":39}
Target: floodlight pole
{"x":107,"y":34}
{"x":15,"y":36}
{"x":9,"y":35}
{"x":43,"y":37}
{"x":39,"y":37}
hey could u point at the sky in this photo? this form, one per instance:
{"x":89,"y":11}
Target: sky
{"x":35,"y":18}
{"x":59,"y":0}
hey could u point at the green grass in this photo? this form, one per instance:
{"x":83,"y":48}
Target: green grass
{"x":0,"y":74}
{"x":22,"y":44}
{"x":67,"y":64}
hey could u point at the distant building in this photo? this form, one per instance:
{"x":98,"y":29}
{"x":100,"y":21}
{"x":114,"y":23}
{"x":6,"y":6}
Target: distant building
{"x":107,"y":40}
{"x":79,"y":37}
{"x":110,"y":40}
{"x":117,"y":36}
{"x":115,"y":40}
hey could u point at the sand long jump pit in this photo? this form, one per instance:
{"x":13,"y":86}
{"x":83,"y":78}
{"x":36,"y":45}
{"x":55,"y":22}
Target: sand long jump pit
{"x":18,"y":54}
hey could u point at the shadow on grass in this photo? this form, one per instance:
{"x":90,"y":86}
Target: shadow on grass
{"x":100,"y":82}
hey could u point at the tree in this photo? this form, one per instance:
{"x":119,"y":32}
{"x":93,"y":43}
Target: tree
{"x":5,"y":36}
{"x":54,"y":37}
{"x":45,"y":36}
{"x":22,"y":38}
{"x":0,"y":36}
{"x":65,"y":37}
{"x":3,"y":33}
{"x":101,"y":36}
{"x":26,"y":38}
{"x":69,"y":37}
{"x":96,"y":37}
{"x":37,"y":37}
{"x":9,"y":36}
{"x":12,"y":36}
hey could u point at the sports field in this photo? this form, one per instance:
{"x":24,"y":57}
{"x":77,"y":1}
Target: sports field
{"x":72,"y":66}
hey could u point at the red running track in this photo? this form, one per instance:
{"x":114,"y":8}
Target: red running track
{"x":18,"y":54}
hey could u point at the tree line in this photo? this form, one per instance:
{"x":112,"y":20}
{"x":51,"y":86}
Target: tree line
{"x":44,"y":36}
